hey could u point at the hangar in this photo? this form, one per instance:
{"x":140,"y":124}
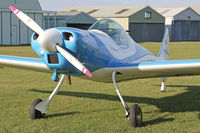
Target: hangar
{"x":142,"y":22}
{"x":12,"y":31}
{"x":74,"y":19}
{"x":183,"y":22}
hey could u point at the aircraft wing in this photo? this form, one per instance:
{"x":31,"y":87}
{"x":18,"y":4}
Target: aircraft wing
{"x":152,"y":69}
{"x":24,"y":63}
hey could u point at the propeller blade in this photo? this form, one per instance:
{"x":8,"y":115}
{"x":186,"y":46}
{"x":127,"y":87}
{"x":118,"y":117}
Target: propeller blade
{"x":74,"y":61}
{"x":49,"y":44}
{"x":27,"y":20}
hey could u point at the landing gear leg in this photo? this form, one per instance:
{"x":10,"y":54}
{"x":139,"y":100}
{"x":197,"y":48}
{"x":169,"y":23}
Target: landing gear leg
{"x":39,"y":108}
{"x":134,"y":114}
{"x":163,"y":87}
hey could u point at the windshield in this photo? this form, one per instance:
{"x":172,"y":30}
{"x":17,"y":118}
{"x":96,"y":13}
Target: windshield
{"x":114,"y":30}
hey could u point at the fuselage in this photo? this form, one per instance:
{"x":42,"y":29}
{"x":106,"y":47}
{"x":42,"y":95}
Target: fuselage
{"x":95,"y":49}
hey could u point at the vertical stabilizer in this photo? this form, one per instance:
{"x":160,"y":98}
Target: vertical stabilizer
{"x":164,"y":50}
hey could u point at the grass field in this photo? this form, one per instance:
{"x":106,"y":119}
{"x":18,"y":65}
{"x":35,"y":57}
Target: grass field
{"x":94,"y":107}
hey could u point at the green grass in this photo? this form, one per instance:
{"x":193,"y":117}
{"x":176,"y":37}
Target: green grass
{"x":94,"y":107}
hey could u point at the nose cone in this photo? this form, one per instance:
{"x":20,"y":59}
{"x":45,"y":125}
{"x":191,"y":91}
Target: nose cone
{"x":49,"y":39}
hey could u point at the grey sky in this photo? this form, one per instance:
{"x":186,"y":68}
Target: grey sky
{"x":60,"y":4}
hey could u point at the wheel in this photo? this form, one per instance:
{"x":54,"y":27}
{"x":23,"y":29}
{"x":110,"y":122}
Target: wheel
{"x":135,"y":116}
{"x":34,"y":113}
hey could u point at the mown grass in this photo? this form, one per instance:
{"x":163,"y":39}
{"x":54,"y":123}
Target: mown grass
{"x":94,"y":107}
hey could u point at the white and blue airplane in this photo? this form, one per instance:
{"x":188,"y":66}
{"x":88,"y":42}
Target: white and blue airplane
{"x":104,"y":53}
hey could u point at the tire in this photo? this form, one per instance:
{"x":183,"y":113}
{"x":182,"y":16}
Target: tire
{"x":135,"y":116}
{"x":34,"y":113}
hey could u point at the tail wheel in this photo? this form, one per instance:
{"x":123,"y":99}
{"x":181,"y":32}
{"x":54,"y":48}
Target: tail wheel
{"x":135,"y":116}
{"x":34,"y":113}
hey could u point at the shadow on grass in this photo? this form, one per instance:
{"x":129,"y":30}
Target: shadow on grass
{"x":61,"y":114}
{"x":156,"y":121}
{"x":184,"y":102}
{"x":187,"y":101}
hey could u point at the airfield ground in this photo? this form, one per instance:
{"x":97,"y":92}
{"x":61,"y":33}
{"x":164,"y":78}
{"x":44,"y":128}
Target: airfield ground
{"x":94,"y":107}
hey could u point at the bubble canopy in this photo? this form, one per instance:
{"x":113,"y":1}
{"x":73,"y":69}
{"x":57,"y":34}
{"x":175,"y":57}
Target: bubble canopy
{"x":114,"y":30}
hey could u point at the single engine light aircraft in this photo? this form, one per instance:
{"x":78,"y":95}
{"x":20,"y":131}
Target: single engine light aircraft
{"x":104,"y":53}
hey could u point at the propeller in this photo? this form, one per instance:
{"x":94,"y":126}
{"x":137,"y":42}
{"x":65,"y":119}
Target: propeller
{"x":27,"y":20}
{"x":50,"y":40}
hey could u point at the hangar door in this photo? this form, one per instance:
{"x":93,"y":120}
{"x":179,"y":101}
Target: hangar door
{"x":146,"y":32}
{"x":80,"y":26}
{"x":185,"y":30}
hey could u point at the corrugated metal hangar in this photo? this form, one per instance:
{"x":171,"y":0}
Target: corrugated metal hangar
{"x":74,"y":19}
{"x":183,"y":23}
{"x":142,"y":22}
{"x":13,"y":32}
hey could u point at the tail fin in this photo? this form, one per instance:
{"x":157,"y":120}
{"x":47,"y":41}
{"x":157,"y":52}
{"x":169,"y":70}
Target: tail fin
{"x":164,"y":50}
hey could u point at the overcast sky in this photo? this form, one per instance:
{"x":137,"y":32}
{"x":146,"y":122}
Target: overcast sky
{"x":55,"y":5}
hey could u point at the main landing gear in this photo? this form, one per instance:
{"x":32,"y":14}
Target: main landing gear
{"x":134,"y":113}
{"x":163,"y":87}
{"x":39,"y":108}
{"x":34,"y":113}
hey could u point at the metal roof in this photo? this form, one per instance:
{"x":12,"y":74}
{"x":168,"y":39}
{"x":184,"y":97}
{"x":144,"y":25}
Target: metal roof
{"x":21,"y":4}
{"x":196,"y":9}
{"x":72,"y":17}
{"x":67,"y":13}
{"x":179,"y":13}
{"x":169,"y":11}
{"x":107,"y":11}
